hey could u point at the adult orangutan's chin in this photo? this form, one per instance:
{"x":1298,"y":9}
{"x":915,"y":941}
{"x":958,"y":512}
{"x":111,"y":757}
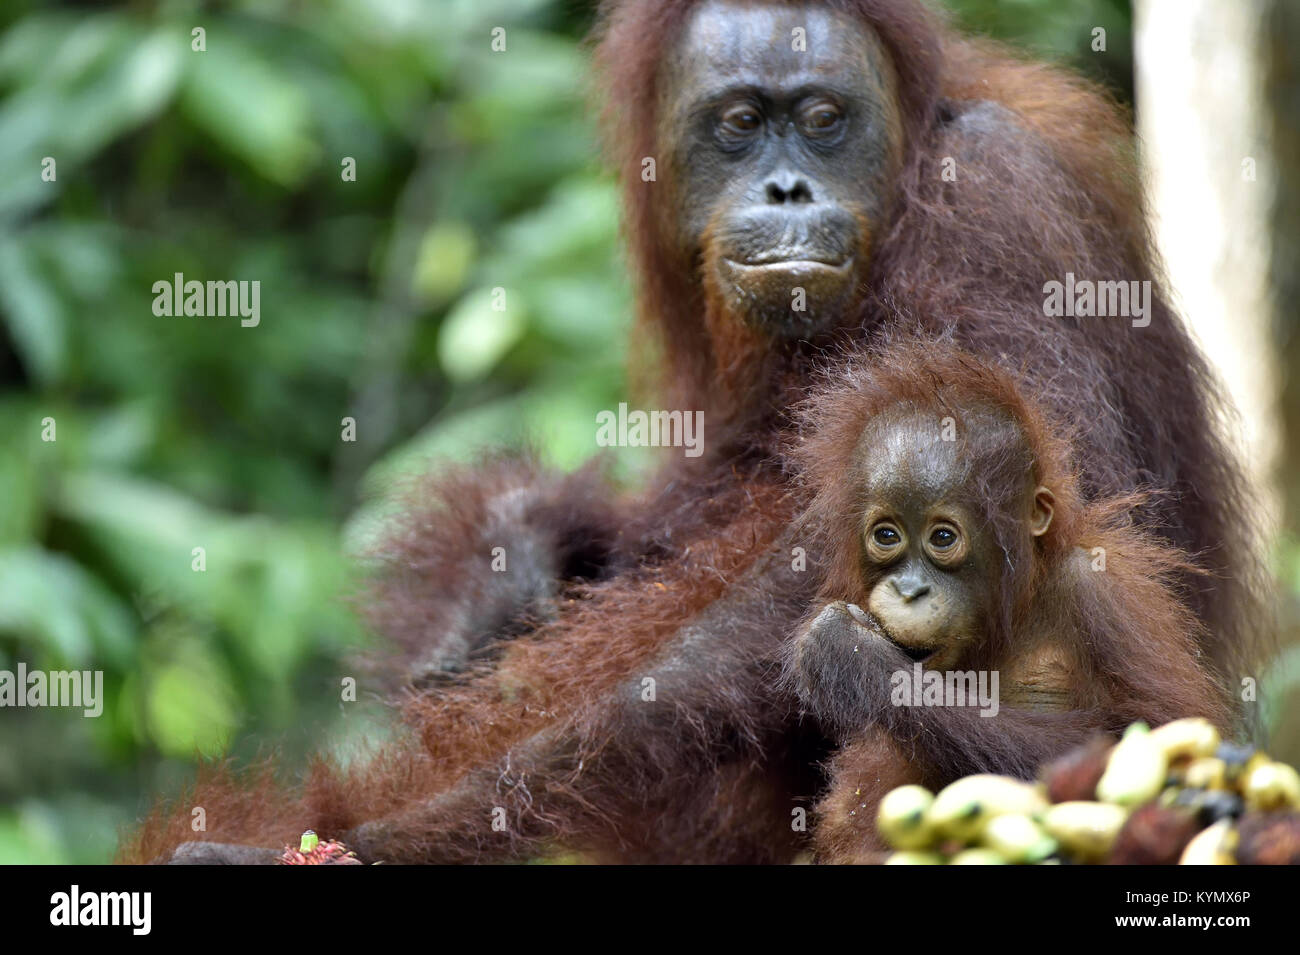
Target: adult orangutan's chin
{"x":786,"y":272}
{"x":790,"y":299}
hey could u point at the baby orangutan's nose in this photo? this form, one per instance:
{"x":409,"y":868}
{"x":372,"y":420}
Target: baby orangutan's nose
{"x":909,"y":588}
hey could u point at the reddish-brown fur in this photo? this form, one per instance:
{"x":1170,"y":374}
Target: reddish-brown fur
{"x":1131,"y":643}
{"x":973,"y":256}
{"x":1046,"y":185}
{"x":451,"y":522}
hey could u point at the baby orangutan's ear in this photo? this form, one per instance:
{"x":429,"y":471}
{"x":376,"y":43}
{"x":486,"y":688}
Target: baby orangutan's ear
{"x":1044,"y":503}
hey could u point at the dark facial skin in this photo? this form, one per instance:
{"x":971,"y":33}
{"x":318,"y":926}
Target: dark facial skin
{"x":929,"y":566}
{"x":932,"y":565}
{"x":785,"y":159}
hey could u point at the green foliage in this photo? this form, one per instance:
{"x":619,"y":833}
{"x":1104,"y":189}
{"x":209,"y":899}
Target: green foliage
{"x":1061,"y":31}
{"x":475,"y":171}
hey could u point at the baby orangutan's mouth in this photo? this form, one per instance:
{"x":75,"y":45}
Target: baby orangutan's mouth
{"x":917,"y":654}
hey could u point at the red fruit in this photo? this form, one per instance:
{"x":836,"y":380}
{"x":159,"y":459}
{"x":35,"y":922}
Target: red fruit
{"x":1074,"y":777}
{"x":1154,"y":835}
{"x":311,"y":851}
{"x":1269,"y":838}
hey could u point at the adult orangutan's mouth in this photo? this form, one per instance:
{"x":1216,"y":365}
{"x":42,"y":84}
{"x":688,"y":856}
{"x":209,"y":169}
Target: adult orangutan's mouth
{"x":810,"y":265}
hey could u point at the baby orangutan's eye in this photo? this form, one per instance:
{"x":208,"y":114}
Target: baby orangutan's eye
{"x":886,"y":536}
{"x":942,"y":538}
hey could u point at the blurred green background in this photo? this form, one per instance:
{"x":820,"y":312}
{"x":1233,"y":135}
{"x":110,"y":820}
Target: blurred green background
{"x":472,"y":172}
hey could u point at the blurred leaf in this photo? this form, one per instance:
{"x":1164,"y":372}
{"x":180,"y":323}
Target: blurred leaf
{"x":443,"y":262}
{"x":134,"y":85}
{"x":250,"y":106}
{"x":31,"y":835}
{"x":583,"y":313}
{"x":120,"y":436}
{"x":84,"y":259}
{"x":1281,"y":683}
{"x":32,"y":312}
{"x":536,"y":72}
{"x":52,"y":601}
{"x":475,"y":336}
{"x":189,"y":710}
{"x":25,"y":460}
{"x":577,"y":226}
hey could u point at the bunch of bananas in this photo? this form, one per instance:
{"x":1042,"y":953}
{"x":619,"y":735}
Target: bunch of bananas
{"x":1175,"y":794}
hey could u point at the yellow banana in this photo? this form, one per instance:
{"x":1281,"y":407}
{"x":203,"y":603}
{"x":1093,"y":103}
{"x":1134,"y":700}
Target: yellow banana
{"x":1271,"y":786}
{"x":1206,"y":772}
{"x":915,"y":858}
{"x":1086,"y":829}
{"x":977,"y":857}
{"x":1136,"y":770}
{"x":1190,"y":737}
{"x":962,"y":809}
{"x":1212,"y":846}
{"x":901,"y":818}
{"x":1017,"y":838}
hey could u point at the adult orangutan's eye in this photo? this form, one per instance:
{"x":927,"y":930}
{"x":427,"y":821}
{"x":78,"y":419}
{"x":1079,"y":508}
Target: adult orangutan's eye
{"x":741,"y":120}
{"x":820,"y":117}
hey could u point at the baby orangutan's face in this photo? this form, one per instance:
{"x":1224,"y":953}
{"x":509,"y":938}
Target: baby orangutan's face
{"x":930,"y":562}
{"x":927,"y":560}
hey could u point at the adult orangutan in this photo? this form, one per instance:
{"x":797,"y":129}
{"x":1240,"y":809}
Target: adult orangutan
{"x":799,"y":178}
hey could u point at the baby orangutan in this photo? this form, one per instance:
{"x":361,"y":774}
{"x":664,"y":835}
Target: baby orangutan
{"x":960,"y":554}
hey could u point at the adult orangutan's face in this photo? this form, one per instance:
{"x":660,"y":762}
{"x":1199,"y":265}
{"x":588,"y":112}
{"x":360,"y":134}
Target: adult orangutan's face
{"x":786,"y":141}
